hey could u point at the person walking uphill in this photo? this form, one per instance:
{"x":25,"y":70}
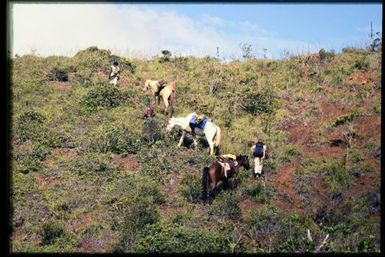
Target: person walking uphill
{"x":114,"y":73}
{"x":259,"y":153}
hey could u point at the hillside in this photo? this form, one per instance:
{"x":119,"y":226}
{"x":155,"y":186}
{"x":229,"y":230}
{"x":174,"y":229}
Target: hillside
{"x":86,"y":177}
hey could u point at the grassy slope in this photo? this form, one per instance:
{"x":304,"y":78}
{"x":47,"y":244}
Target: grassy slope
{"x":81,"y":176}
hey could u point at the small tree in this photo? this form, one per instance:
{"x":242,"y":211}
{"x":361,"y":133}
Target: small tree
{"x":166,"y":56}
{"x":246,"y":51}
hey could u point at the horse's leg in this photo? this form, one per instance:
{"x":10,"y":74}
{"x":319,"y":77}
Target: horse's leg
{"x":195,"y":142}
{"x":181,"y":138}
{"x":166,"y":105}
{"x":211,"y":191}
{"x":210,"y":140}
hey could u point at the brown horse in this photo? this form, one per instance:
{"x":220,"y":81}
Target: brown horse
{"x":215,"y":173}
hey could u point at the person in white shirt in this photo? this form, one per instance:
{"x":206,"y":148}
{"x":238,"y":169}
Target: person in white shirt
{"x":259,"y":153}
{"x":114,"y":74}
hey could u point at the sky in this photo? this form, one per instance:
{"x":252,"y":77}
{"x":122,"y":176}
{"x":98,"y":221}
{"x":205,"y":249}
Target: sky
{"x":144,"y":30}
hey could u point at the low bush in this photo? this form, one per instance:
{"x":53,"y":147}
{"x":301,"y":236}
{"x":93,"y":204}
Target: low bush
{"x":191,"y":188}
{"x":57,"y":74}
{"x":361,"y":63}
{"x":117,"y":139}
{"x":151,"y":131}
{"x":91,"y":163}
{"x":226,"y":205}
{"x":51,"y":230}
{"x":168,"y":238}
{"x":265,"y":101}
{"x":31,"y":125}
{"x":103,"y":97}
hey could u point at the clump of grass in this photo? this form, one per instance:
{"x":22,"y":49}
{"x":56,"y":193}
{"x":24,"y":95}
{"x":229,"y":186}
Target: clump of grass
{"x":103,"y":97}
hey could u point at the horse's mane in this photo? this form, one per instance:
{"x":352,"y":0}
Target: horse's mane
{"x":181,"y":121}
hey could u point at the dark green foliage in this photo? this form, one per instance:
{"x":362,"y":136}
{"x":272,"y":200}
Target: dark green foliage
{"x":166,"y":56}
{"x":30,"y":125}
{"x":265,"y":101}
{"x":103,"y":97}
{"x":361,"y":63}
{"x":91,"y":163}
{"x":257,"y":192}
{"x":336,"y":176}
{"x":92,"y":58}
{"x":151,"y":131}
{"x":139,"y":213}
{"x":292,"y":234}
{"x":225,"y":205}
{"x":117,"y":139}
{"x":51,"y":230}
{"x":169,"y":238}
{"x":344,"y":119}
{"x":29,"y":156}
{"x":290,"y":152}
{"x":326,"y":56}
{"x":192,"y":188}
{"x":155,"y":163}
{"x":57,"y":74}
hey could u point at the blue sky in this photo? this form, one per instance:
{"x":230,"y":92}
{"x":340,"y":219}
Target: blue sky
{"x":143,"y":30}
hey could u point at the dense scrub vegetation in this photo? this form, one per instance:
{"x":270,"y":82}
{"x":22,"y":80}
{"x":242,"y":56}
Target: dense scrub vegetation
{"x":90,"y":175}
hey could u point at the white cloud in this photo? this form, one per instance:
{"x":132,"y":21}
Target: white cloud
{"x":133,"y":30}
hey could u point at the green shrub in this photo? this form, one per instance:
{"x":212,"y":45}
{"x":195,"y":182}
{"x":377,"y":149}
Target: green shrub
{"x":361,"y":63}
{"x":155,"y":163}
{"x":57,"y":74}
{"x":265,"y":101}
{"x":191,"y":188}
{"x":257,"y":192}
{"x":290,"y":152}
{"x":117,"y":139}
{"x":226,"y":205}
{"x":92,"y":58}
{"x":91,"y":163}
{"x":31,"y":125}
{"x":151,"y":131}
{"x":51,"y":230}
{"x":326,"y":56}
{"x":336,"y":176}
{"x":139,"y":213}
{"x":292,"y":234}
{"x":345,"y":119}
{"x":29,"y":164}
{"x":103,"y":97}
{"x":169,"y":238}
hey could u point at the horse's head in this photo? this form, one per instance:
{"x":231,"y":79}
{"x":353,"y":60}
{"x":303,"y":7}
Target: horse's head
{"x":243,"y":160}
{"x":145,"y":86}
{"x":170,"y":124}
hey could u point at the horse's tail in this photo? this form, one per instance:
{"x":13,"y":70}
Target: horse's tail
{"x":218,"y":136}
{"x":205,"y":183}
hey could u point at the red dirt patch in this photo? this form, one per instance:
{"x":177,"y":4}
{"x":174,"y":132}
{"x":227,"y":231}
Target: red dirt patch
{"x":79,"y":224}
{"x":129,"y":162}
{"x":45,"y":181}
{"x":61,"y":85}
{"x":247,"y":206}
{"x":283,"y":183}
{"x":368,"y":126}
{"x":65,"y":153}
{"x":91,"y":245}
{"x":360,"y":77}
